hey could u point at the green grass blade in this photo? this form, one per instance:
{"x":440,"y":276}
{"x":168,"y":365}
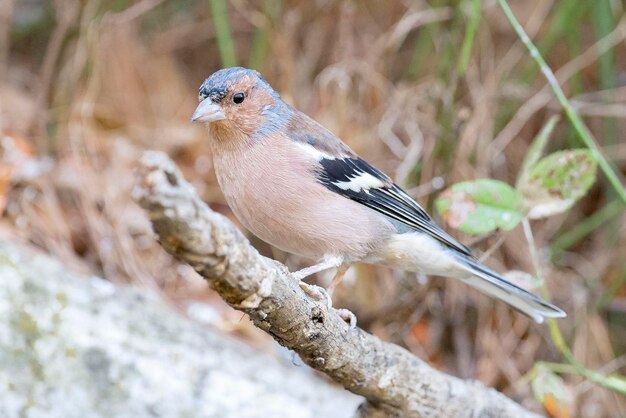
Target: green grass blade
{"x":225,"y":44}
{"x":586,"y":227}
{"x":604,"y":24}
{"x":535,"y":151}
{"x":260,"y":40}
{"x":614,"y":382}
{"x":468,"y":39}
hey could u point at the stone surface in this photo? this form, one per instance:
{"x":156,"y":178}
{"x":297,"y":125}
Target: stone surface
{"x":72,"y":346}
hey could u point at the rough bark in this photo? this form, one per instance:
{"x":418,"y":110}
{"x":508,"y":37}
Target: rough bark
{"x":394,"y":382}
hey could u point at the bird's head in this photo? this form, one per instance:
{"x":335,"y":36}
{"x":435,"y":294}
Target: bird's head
{"x":237,"y":100}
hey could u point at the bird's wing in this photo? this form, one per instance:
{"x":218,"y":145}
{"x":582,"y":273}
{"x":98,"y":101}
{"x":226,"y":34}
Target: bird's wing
{"x":345,"y":173}
{"x":356,"y":179}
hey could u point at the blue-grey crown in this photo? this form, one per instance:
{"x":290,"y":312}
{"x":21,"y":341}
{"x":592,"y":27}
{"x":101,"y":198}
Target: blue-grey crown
{"x":217,"y":86}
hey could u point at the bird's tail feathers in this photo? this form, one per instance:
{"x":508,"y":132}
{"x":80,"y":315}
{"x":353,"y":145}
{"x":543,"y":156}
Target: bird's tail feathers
{"x":491,"y":283}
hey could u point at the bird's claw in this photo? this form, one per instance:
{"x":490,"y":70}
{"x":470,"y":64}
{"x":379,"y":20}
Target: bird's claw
{"x":318,"y":293}
{"x":347,"y":316}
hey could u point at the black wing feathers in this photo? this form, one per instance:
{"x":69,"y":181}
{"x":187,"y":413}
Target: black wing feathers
{"x":388,"y":199}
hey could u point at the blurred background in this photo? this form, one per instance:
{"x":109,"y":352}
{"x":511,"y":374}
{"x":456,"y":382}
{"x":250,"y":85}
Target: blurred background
{"x":432,"y":92}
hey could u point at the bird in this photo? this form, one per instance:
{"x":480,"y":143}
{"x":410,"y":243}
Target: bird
{"x":297,"y":186}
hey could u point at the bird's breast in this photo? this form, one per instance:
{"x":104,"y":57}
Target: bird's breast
{"x":273,"y":191}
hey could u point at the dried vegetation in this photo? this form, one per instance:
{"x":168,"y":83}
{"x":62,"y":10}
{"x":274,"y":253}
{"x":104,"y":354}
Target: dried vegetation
{"x":431,"y":92}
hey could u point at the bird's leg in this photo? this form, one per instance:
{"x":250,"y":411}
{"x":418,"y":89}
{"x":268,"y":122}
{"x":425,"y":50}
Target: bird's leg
{"x":341,"y":272}
{"x":325,"y":264}
{"x":317,"y":292}
{"x":345,"y":314}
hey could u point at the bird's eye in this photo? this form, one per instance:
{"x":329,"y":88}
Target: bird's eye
{"x":238,"y":98}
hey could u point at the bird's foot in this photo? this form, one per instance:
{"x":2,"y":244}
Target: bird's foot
{"x":318,"y":293}
{"x":347,"y":316}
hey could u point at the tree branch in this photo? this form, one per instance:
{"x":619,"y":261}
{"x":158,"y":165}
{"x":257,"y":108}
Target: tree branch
{"x":394,"y":382}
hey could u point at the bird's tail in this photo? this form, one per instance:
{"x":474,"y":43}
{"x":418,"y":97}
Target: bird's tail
{"x":491,"y":283}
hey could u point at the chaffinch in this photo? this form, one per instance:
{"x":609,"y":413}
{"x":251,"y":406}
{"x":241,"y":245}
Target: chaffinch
{"x":297,"y":186}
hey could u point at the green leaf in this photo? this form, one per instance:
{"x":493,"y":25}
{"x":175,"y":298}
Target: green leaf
{"x":536,"y":149}
{"x":556,"y":182}
{"x":480,"y":206}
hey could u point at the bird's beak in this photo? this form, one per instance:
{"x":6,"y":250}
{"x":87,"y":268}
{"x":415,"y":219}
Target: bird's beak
{"x":208,"y":112}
